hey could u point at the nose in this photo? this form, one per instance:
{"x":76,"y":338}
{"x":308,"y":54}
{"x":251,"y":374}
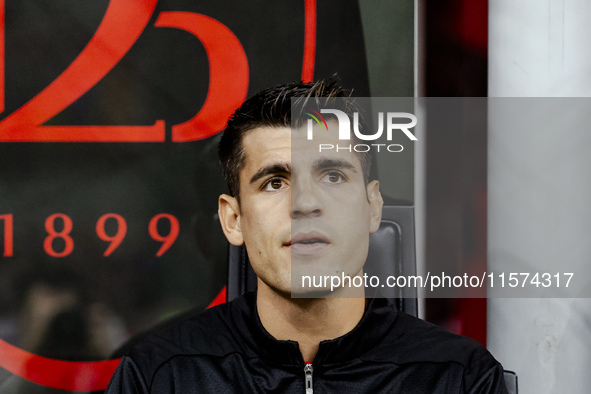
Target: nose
{"x":305,"y":199}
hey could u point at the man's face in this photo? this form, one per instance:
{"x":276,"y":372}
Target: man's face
{"x":302,"y":209}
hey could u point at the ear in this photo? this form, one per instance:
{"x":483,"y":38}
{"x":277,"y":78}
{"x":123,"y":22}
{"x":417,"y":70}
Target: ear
{"x":229,"y":213}
{"x":375,"y":205}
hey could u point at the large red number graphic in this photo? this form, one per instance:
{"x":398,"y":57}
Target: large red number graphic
{"x":53,"y":234}
{"x":115,"y":239}
{"x":167,"y":240}
{"x":228,"y":73}
{"x":8,"y":230}
{"x":123,"y":23}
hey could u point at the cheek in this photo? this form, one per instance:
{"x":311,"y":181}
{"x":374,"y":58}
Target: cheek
{"x":352,"y":210}
{"x":259,"y":225}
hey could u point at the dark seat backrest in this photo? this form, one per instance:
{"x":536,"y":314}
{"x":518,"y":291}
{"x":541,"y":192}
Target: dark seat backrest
{"x":510,"y":381}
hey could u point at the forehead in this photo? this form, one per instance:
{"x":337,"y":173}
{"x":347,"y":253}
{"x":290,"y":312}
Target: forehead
{"x":266,"y":145}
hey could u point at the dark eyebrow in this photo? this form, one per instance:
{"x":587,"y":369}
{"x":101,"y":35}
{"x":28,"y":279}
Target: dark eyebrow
{"x":325,"y":164}
{"x":274,"y":168}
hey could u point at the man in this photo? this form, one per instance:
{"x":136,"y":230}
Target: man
{"x":299,"y":210}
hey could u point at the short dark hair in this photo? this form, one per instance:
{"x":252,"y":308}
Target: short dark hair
{"x":271,"y":108}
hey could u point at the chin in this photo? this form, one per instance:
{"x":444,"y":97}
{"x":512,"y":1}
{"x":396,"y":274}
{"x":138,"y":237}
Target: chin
{"x":311,"y":293}
{"x":295,"y":290}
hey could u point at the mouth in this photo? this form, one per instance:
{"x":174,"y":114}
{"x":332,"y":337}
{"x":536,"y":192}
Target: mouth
{"x":308,"y":243}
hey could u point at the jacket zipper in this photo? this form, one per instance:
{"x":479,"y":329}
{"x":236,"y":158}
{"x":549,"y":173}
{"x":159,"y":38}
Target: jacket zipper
{"x":308,"y":373}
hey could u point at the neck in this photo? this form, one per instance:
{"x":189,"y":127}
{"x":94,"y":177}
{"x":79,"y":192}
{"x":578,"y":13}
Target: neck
{"x":307,"y":321}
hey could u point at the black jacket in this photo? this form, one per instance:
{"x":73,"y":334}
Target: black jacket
{"x":227,"y":350}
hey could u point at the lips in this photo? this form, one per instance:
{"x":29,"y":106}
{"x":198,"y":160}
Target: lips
{"x":308,"y":243}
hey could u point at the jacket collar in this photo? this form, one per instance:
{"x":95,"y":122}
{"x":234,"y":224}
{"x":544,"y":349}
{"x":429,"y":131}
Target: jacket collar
{"x":378,"y":319}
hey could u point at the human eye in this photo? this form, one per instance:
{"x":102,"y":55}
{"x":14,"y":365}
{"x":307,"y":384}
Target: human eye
{"x":274,"y":184}
{"x":333,"y":177}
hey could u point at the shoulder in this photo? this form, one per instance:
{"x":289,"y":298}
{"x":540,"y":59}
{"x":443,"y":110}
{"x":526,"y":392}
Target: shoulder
{"x":209,"y":333}
{"x":412,"y":340}
{"x":424,"y":348}
{"x":152,"y":363}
